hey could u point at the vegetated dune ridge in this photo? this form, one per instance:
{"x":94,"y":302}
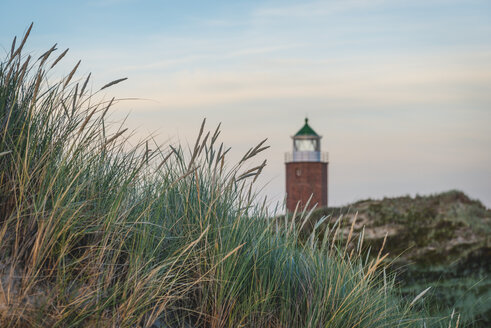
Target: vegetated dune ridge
{"x":441,"y":240}
{"x":95,"y":232}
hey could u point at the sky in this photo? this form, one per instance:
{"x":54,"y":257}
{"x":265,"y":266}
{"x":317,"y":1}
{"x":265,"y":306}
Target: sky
{"x":400,"y":90}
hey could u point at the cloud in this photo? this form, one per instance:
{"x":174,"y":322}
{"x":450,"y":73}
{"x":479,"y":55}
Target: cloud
{"x":314,"y":8}
{"x":426,"y":79}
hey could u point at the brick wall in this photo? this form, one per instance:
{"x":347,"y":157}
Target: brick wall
{"x":304,"y":179}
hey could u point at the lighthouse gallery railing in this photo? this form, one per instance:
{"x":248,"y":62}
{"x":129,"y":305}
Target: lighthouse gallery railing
{"x":306,"y":156}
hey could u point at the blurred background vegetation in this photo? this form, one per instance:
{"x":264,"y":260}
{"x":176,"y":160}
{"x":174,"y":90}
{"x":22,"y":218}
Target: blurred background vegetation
{"x":441,"y":240}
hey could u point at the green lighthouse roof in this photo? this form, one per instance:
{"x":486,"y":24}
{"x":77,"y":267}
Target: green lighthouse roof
{"x":306,"y":130}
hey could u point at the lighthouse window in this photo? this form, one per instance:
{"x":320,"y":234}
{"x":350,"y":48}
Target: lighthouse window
{"x":306,"y":145}
{"x":298,"y":172}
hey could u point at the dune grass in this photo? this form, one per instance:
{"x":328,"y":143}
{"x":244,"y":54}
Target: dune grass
{"x":97,"y":233}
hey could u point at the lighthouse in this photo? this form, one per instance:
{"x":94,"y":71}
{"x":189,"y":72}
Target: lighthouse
{"x":306,"y":171}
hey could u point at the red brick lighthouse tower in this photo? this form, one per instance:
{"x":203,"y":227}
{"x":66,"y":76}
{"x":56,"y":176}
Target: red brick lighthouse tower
{"x":306,"y":170}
